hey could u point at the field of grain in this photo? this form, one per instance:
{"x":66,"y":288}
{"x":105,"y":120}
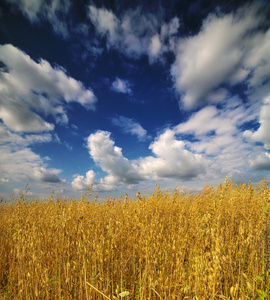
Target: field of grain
{"x":209,"y":245}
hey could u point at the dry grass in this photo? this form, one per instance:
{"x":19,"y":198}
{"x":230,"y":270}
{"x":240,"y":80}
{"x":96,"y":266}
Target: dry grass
{"x":210,"y":245}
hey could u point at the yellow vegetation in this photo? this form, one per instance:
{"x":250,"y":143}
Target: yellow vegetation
{"x":209,"y":245}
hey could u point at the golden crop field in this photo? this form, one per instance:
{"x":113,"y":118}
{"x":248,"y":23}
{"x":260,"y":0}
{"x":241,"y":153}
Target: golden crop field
{"x":209,"y":245}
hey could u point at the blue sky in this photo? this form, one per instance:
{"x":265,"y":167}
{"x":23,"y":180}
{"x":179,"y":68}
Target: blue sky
{"x":127,"y":94}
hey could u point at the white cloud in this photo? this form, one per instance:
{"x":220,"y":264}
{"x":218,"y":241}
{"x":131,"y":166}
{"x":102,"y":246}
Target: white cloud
{"x":226,"y":50}
{"x":258,"y":60}
{"x":130,"y":126}
{"x":155,"y":47}
{"x":80,"y":182}
{"x":23,"y":164}
{"x":15,"y":140}
{"x":19,"y":162}
{"x":134,"y":33}
{"x":210,"y":144}
{"x":29,"y":7}
{"x":205,"y":121}
{"x":19,"y":117}
{"x":168,"y":35}
{"x":30,"y":89}
{"x":211,"y":120}
{"x":171,"y":28}
{"x":216,"y":134}
{"x":218,"y":121}
{"x":111,"y":160}
{"x":53,"y":11}
{"x":260,"y":160}
{"x":262,"y":134}
{"x":171,"y":160}
{"x":121,"y":86}
{"x":106,"y":23}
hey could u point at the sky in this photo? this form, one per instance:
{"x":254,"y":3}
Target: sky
{"x":125,"y":95}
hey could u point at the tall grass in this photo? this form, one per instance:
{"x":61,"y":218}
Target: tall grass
{"x":210,"y":245}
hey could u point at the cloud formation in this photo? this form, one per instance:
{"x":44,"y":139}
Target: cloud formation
{"x":260,"y":160}
{"x":111,"y":160}
{"x":53,"y":11}
{"x":130,"y":126}
{"x":135,"y":33}
{"x":171,"y":160}
{"x":20,"y":163}
{"x":230,"y":52}
{"x":121,"y":86}
{"x":30,"y":90}
{"x":81,"y":183}
{"x":217,"y":135}
{"x":262,"y":134}
{"x":229,"y":49}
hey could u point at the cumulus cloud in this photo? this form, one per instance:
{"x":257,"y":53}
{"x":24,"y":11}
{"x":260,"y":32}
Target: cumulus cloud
{"x":80,"y":182}
{"x":30,"y":90}
{"x":134,"y":33}
{"x":216,"y":134}
{"x":53,"y":11}
{"x":128,"y":125}
{"x":171,"y":159}
{"x":121,"y":86}
{"x":210,"y":143}
{"x":111,"y":160}
{"x":228,"y":50}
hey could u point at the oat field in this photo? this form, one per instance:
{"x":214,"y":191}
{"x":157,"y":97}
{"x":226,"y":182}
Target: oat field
{"x":209,"y":245}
